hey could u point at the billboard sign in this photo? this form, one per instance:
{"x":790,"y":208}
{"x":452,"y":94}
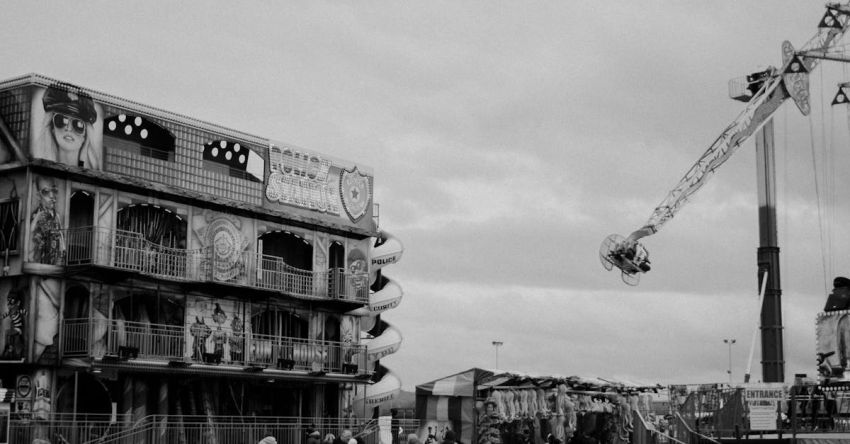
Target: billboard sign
{"x":310,"y":181}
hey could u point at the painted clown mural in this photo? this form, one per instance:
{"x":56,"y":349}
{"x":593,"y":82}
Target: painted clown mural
{"x":14,"y":317}
{"x":216,"y":330}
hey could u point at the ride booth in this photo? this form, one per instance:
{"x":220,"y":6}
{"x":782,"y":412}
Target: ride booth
{"x":449,"y":404}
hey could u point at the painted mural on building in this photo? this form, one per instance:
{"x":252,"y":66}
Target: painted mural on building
{"x":357,"y":264}
{"x":216,"y":330}
{"x":47,"y":294}
{"x":225,"y":240}
{"x":14,"y":317}
{"x":47,"y":242}
{"x":833,"y":337}
{"x":66,"y":126}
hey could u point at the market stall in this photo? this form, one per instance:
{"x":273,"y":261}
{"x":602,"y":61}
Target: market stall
{"x":449,"y":404}
{"x":487,"y":407}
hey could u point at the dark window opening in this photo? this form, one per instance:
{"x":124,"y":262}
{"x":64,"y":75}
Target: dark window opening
{"x":138,"y":135}
{"x":294,"y":250}
{"x":9,"y":225}
{"x":233,"y":159}
{"x":280,"y":323}
{"x":81,"y":234}
{"x":336,"y":255}
{"x":155,"y":224}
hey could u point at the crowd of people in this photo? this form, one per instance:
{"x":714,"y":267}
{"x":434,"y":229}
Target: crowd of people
{"x":315,"y":437}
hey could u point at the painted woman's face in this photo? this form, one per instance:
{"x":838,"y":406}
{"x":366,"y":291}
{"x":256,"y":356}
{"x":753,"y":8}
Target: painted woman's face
{"x":69,"y":132}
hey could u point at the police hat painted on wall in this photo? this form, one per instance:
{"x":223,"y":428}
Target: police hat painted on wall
{"x":69,"y":100}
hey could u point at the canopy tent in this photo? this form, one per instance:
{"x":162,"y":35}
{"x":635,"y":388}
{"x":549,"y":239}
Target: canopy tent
{"x":449,"y":403}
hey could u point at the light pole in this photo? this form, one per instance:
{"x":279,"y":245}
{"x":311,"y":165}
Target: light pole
{"x":497,"y":344}
{"x":730,"y":342}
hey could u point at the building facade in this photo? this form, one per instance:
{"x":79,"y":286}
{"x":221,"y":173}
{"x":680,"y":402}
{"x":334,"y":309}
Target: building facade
{"x":157,"y":268}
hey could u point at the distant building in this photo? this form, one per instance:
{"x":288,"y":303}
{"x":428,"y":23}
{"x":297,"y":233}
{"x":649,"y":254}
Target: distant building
{"x":163,"y":275}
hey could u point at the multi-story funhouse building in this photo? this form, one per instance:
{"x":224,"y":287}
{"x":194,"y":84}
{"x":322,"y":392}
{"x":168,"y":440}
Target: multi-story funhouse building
{"x":165,"y":275}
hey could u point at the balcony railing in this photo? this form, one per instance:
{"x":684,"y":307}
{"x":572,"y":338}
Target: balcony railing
{"x":127,"y":250}
{"x":158,"y":342}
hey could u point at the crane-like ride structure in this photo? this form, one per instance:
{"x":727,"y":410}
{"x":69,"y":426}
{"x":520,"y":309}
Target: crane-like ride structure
{"x":764,"y":92}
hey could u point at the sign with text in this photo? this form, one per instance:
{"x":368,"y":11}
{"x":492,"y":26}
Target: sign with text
{"x":305,"y":180}
{"x":762,"y":403}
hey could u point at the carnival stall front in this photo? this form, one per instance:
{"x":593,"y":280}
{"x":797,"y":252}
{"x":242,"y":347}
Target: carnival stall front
{"x":449,"y":404}
{"x":486,"y":407}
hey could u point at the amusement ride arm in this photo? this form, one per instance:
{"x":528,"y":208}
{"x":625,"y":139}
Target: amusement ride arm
{"x":758,"y":111}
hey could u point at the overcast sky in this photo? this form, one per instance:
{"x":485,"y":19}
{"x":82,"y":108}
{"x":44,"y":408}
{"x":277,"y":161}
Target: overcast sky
{"x":507,"y":140}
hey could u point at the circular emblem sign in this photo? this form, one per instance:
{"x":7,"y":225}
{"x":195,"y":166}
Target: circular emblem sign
{"x":226,"y":242}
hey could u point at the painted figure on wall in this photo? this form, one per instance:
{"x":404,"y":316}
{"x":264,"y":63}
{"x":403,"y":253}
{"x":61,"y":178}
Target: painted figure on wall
{"x":237,"y":339}
{"x":359,"y":269}
{"x":48,"y":243}
{"x":219,"y":336}
{"x":843,"y":340}
{"x":16,"y":313}
{"x":218,"y":332}
{"x":200,"y":332}
{"x":69,"y":130}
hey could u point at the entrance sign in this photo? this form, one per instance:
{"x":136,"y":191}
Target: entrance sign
{"x":762,"y":402}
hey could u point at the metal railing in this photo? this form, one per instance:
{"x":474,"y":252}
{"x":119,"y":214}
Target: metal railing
{"x":130,"y":251}
{"x":159,"y":429}
{"x":64,"y":428}
{"x":159,"y":342}
{"x":683,"y":432}
{"x":662,"y":429}
{"x":168,"y":429}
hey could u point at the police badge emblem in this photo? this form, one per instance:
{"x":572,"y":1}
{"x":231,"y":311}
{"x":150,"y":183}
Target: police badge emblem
{"x":355,"y":193}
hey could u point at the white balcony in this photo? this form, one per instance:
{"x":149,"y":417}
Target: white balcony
{"x":124,"y":341}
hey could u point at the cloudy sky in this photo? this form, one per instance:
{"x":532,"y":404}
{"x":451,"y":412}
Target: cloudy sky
{"x":507,"y":140}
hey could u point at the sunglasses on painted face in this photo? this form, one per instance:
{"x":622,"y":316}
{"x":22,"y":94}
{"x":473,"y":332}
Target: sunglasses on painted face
{"x":61,"y":121}
{"x":49,"y":191}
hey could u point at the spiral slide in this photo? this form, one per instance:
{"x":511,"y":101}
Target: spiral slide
{"x":380,"y":337}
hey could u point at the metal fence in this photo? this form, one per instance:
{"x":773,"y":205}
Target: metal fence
{"x":64,"y":428}
{"x":164,"y":429}
{"x":130,"y":251}
{"x":813,"y":408}
{"x":718,"y":412}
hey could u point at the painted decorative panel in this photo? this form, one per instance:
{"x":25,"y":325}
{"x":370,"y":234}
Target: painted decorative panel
{"x":216,"y":329}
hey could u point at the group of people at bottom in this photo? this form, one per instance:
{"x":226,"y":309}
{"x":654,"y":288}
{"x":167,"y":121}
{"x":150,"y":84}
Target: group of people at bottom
{"x":315,"y":437}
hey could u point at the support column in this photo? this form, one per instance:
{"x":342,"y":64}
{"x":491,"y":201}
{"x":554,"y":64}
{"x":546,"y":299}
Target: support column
{"x":773,"y":361}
